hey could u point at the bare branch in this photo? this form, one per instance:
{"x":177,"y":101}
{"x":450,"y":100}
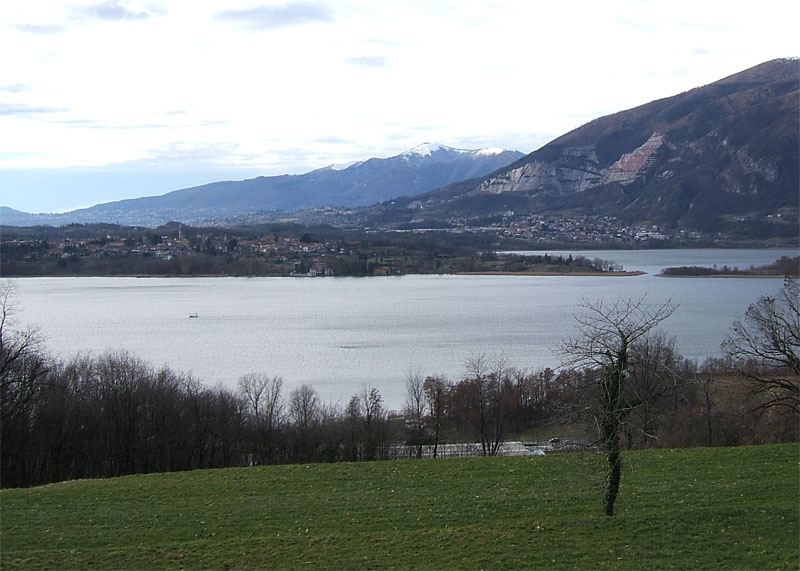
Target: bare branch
{"x":769,"y":337}
{"x":603,"y":326}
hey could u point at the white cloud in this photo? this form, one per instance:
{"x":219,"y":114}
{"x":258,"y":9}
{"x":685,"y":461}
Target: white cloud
{"x":270,"y":17}
{"x":114,"y":10}
{"x":22,"y":109}
{"x":40,"y":28}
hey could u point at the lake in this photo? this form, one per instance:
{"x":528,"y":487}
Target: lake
{"x":339,"y":334}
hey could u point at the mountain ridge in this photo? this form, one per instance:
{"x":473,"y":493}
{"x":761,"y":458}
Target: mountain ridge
{"x":362,"y":183}
{"x":717,"y":158}
{"x":721,"y":159}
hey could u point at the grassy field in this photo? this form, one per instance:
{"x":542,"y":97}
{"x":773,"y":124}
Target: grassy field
{"x":723,"y":508}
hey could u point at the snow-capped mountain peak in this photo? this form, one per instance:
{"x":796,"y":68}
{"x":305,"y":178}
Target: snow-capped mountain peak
{"x":426,"y":149}
{"x":429,"y":149}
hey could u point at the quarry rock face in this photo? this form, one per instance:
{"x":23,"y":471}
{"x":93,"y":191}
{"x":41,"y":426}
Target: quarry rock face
{"x":577,"y":169}
{"x":630,"y":165}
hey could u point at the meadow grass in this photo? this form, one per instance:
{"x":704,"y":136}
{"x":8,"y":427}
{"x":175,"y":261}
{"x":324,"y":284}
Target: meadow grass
{"x":703,"y":508}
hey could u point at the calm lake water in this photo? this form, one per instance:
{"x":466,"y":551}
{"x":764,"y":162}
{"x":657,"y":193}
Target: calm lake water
{"x":340,"y":334}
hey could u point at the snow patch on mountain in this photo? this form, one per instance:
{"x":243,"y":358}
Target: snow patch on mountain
{"x":343,"y":166}
{"x":428,"y":149}
{"x":488,"y":151}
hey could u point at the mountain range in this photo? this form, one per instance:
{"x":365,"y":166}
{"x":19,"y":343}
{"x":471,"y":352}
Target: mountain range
{"x":367,"y":182}
{"x":720,"y":158}
{"x":723,"y":158}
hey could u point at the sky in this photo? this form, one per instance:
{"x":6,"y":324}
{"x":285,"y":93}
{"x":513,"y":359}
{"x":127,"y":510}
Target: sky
{"x":113,"y":99}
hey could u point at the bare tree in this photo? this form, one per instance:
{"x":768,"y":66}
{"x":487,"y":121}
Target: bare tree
{"x":264,"y":396}
{"x":368,"y":419}
{"x":606,"y":336}
{"x":304,"y":411}
{"x":415,"y":410}
{"x":709,"y":391}
{"x":535,"y":390}
{"x":487,"y":381}
{"x":654,"y":375}
{"x":121,"y":381}
{"x":22,"y":364}
{"x":769,"y":342}
{"x":436,"y":389}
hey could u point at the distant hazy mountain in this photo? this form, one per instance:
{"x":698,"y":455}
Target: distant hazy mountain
{"x":363,"y":183}
{"x":719,"y":158}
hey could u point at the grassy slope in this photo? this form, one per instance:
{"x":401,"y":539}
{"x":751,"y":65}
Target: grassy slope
{"x":695,"y":508}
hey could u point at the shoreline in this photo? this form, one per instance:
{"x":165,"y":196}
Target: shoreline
{"x":483,"y":273}
{"x":727,"y":276}
{"x":553,"y":274}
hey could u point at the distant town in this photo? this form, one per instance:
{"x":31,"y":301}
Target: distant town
{"x":601,"y":231}
{"x":583,"y":229}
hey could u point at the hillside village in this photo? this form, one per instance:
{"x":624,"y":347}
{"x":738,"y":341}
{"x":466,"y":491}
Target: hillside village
{"x":575,"y":231}
{"x":603,"y":229}
{"x":294,"y":255}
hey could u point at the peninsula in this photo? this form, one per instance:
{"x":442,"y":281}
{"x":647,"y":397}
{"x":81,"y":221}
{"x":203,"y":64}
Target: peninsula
{"x":780,"y":268}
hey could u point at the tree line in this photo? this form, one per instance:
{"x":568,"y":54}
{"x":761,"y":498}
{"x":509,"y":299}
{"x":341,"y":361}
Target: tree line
{"x":114,"y":414}
{"x":783,"y":266}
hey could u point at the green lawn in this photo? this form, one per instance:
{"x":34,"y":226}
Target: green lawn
{"x":720,"y":508}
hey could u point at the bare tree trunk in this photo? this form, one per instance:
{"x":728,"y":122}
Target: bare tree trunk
{"x":415,"y":410}
{"x":612,"y":483}
{"x":611,"y":421}
{"x":435,"y":391}
{"x":709,"y":404}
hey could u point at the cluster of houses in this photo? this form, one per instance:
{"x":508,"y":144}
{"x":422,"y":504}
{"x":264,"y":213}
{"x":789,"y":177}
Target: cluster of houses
{"x":580,"y":229}
{"x":281,"y":249}
{"x":165,"y":248}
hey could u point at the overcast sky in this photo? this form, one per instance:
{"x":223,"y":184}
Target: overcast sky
{"x":119,"y":99}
